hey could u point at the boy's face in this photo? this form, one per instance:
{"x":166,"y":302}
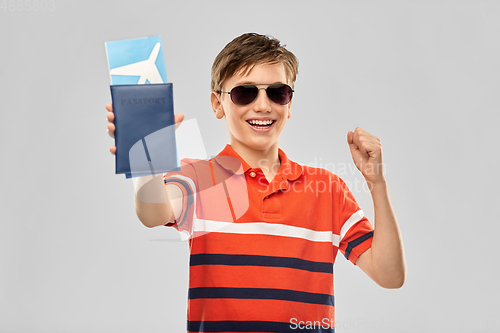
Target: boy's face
{"x":244,"y":135}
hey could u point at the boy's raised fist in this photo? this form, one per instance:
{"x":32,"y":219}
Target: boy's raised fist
{"x":366,"y":151}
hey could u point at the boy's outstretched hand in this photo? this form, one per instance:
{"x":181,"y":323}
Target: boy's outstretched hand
{"x":111,"y":126}
{"x":366,"y":151}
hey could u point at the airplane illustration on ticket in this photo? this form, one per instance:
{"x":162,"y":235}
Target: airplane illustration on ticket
{"x":136,"y":61}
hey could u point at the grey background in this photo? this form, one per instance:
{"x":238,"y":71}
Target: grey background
{"x":421,"y":75}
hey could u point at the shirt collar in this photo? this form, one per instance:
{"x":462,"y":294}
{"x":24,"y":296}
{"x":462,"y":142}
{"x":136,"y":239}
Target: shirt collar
{"x":288,"y":169}
{"x":231,"y":161}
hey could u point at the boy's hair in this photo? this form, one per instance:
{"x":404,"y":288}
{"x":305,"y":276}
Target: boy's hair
{"x":248,"y":50}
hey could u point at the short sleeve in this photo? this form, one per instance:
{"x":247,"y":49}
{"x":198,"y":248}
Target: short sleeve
{"x":185,"y":180}
{"x":356,"y":231}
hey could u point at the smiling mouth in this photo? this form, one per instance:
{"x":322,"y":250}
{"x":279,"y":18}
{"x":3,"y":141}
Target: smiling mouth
{"x":261,"y":124}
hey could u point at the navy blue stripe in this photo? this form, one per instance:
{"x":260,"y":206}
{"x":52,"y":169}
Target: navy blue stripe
{"x":259,"y":326}
{"x":352,"y":244}
{"x":254,"y":260}
{"x":146,"y":149}
{"x":148,"y":157}
{"x":261,"y":293}
{"x":189,"y":196}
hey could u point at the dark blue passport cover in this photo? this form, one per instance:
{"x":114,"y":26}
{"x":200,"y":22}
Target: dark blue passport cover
{"x":144,"y":129}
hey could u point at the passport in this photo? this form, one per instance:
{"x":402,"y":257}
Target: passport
{"x":144,"y":129}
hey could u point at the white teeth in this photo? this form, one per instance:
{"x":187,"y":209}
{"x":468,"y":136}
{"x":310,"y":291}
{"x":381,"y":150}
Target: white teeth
{"x":261,"y":122}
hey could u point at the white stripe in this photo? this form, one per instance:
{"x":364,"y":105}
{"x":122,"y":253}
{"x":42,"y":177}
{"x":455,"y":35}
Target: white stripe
{"x":355,"y":218}
{"x":264,"y":228}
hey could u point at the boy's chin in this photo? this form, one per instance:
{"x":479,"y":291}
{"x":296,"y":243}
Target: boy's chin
{"x":260,"y":145}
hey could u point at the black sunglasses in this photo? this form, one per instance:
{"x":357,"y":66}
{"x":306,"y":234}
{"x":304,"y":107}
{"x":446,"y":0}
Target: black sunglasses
{"x":245,"y":94}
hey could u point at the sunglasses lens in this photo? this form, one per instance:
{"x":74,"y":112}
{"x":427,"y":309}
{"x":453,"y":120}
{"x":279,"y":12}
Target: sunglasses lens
{"x":243,"y":95}
{"x":279,"y":93}
{"x":246,"y":94}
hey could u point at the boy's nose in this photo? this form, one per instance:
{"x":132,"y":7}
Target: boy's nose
{"x":262,"y":102}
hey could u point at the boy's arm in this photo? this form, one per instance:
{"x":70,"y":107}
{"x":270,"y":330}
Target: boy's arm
{"x":384,"y":262}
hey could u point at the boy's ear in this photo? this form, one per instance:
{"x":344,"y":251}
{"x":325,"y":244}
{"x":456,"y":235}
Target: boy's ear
{"x":289,"y":109}
{"x":217,"y":105}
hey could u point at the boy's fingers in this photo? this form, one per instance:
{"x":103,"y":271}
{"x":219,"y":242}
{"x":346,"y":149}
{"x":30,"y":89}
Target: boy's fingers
{"x":111,"y":130}
{"x":350,"y":140}
{"x":179,"y":117}
{"x":367,"y":143}
{"x":111,"y":117}
{"x":111,"y":127}
{"x":360,"y":138}
{"x":356,"y":138}
{"x":349,"y":137}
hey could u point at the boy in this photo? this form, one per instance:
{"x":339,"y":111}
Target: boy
{"x":264,"y":231}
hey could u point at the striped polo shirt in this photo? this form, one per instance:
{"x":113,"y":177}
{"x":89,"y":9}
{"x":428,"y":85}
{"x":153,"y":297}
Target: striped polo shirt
{"x":262,"y":254}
